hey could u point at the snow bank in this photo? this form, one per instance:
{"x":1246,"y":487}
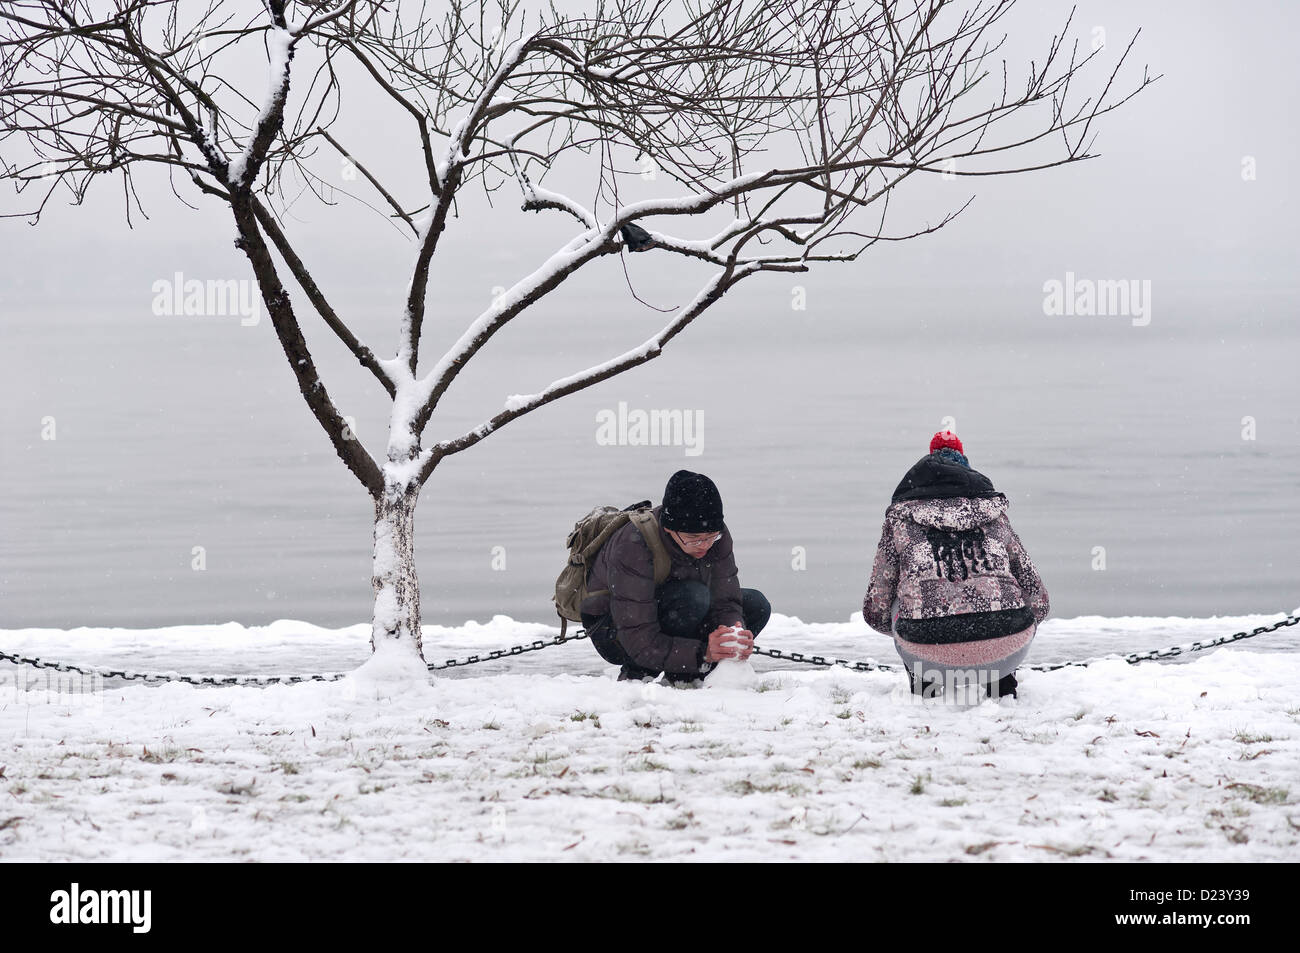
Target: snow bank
{"x":546,"y":757}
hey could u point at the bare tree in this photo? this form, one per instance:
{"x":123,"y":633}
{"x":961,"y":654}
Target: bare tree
{"x":867,"y":95}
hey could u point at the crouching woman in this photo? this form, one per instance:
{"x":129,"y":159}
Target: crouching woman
{"x":968,"y":597}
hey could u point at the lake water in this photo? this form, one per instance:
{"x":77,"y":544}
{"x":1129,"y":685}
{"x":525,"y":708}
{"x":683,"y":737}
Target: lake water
{"x":181,"y":442}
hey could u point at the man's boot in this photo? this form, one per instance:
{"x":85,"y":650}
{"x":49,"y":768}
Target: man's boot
{"x":634,"y":673}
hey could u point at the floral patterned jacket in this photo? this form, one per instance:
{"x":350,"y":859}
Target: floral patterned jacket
{"x":950,"y":555}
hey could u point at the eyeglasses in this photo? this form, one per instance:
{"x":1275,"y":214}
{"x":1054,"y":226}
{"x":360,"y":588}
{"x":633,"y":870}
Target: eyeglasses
{"x":707,"y":539}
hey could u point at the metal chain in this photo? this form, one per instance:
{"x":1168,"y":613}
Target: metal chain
{"x":153,"y":677}
{"x":496,"y":654}
{"x":263,"y":680}
{"x":1173,"y":651}
{"x":819,"y":660}
{"x":1133,"y":658}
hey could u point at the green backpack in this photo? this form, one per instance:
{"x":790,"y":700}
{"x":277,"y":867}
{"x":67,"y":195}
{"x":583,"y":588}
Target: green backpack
{"x":591,"y":533}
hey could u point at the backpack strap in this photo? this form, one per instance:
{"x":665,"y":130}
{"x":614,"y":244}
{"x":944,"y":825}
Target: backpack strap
{"x":648,"y":527}
{"x":589,"y":551}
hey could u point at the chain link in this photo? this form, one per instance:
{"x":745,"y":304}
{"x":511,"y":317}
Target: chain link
{"x":871,"y":666}
{"x":157,"y":677}
{"x":1173,"y":651}
{"x":497,"y":654}
{"x":1133,"y":658}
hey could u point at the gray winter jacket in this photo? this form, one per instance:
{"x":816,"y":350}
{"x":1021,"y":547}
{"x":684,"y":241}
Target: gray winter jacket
{"x":625,"y":567}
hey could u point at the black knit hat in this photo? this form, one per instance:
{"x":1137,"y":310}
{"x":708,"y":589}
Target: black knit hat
{"x":692,"y":504}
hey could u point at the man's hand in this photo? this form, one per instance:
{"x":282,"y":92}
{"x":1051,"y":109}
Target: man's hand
{"x":726,"y":642}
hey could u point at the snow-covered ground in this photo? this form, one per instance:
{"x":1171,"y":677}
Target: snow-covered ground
{"x":546,"y":757}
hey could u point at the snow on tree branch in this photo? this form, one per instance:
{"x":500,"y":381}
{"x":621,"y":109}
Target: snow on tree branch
{"x":796,"y":115}
{"x":518,"y":405}
{"x":279,"y":43}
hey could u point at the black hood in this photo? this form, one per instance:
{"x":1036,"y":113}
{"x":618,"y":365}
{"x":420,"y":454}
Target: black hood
{"x":934,"y":478}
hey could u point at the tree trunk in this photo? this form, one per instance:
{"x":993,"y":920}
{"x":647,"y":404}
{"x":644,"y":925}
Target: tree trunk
{"x":396,"y":623}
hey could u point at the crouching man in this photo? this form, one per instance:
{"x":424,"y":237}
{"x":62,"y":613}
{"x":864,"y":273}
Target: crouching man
{"x":683,"y":626}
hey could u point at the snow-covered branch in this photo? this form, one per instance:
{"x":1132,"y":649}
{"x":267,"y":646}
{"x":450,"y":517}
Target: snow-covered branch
{"x":524,"y":293}
{"x":519,"y":405}
{"x":244,"y":167}
{"x":448,"y":170}
{"x":864,"y":96}
{"x":537,"y":198}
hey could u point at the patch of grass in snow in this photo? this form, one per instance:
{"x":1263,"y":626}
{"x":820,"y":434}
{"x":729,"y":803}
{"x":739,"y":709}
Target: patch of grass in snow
{"x":1259,"y":794}
{"x":1246,"y":738}
{"x":234,"y":788}
{"x":585,"y":716}
{"x":1236,"y":835}
{"x":296,"y":798}
{"x":846,"y":713}
{"x":617,"y":792}
{"x":681,"y":822}
{"x":1107,"y":795}
{"x":690,"y":727}
{"x":713,"y":749}
{"x":647,"y":764}
{"x":288,"y":767}
{"x":1036,"y":737}
{"x":952,"y":802}
{"x":745,"y":787}
{"x":840,"y":696}
{"x":767,"y":685}
{"x":918,"y":784}
{"x":1081,"y":850}
{"x":491,"y":725}
{"x":161,"y":755}
{"x":1252,"y":755}
{"x":861,"y":763}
